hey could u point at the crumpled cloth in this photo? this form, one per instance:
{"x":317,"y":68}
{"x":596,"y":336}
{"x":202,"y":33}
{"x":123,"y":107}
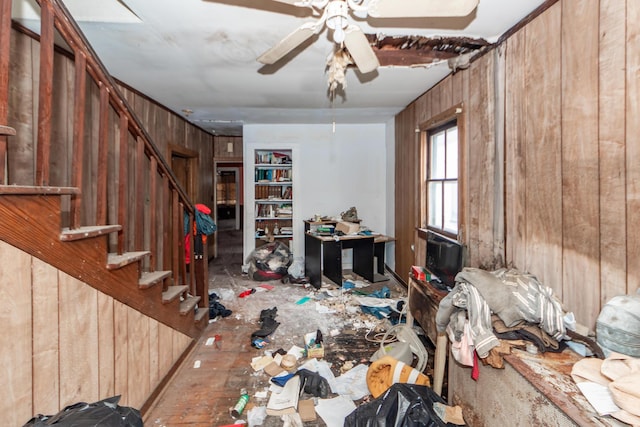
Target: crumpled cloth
{"x":527,"y":331}
{"x":516,"y":296}
{"x":465,"y":297}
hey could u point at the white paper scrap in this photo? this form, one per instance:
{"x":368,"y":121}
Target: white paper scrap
{"x":599,"y":397}
{"x":353,"y":383}
{"x":323,"y":309}
{"x":196,"y":364}
{"x":210,"y":341}
{"x":296,"y":351}
{"x":334,"y":411}
{"x":259,"y":363}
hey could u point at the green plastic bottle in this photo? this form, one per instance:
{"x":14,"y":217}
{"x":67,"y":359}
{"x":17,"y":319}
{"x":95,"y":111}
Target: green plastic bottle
{"x":242,"y":402}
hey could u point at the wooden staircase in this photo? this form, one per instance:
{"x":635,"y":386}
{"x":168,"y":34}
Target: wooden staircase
{"x":63,"y":211}
{"x":31,"y":222}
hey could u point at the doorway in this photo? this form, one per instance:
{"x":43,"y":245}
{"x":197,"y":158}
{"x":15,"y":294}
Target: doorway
{"x":227,"y":198}
{"x":228,"y":184}
{"x":184,"y":164}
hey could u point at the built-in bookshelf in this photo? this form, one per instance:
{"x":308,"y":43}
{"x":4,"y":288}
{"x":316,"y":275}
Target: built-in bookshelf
{"x":273,"y":196}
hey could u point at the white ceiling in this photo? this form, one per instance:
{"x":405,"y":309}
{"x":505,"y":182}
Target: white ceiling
{"x":200,"y":56}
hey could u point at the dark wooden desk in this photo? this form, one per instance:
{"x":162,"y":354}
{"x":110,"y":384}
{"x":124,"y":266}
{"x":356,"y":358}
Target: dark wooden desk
{"x":323,"y":255}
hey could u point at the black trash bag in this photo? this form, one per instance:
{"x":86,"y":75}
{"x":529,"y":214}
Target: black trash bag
{"x":105,"y":413}
{"x":403,"y":405}
{"x":313,"y":383}
{"x":269,"y":262}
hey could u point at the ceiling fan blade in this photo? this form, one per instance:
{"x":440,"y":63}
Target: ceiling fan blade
{"x":287,"y":44}
{"x":360,"y":49}
{"x":420,"y":8}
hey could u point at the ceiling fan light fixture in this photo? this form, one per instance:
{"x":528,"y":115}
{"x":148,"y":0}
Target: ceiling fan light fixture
{"x":337,"y":20}
{"x":338,"y":35}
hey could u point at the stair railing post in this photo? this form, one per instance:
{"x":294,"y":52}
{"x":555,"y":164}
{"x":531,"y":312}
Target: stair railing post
{"x":45,"y":92}
{"x":5,"y":47}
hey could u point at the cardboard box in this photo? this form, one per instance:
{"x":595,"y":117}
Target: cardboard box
{"x":313,"y":349}
{"x":420,"y":273}
{"x":348,"y":227}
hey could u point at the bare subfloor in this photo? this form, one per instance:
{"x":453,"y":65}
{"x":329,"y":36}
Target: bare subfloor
{"x":203,"y":396}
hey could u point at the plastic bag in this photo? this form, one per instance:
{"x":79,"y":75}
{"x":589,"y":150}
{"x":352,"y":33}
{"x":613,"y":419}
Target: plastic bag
{"x":104,"y":413}
{"x":403,"y":405}
{"x":269,"y":262}
{"x":296,"y":269}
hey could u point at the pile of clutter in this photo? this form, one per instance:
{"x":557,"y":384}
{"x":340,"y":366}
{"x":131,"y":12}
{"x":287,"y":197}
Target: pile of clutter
{"x":487,"y":313}
{"x":302,"y":385}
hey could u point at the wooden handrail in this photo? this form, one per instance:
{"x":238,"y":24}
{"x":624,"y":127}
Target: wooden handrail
{"x":145,"y":201}
{"x":73,"y":35}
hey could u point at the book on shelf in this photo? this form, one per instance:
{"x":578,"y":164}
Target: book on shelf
{"x":287,"y":193}
{"x":272,"y":158}
{"x":273,"y":175}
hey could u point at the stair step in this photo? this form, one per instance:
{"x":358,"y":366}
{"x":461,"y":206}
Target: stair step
{"x":7,"y":130}
{"x":200,"y":314}
{"x":31,"y":190}
{"x":86,"y":232}
{"x":172,"y":293}
{"x":149,"y":279}
{"x":115,"y":261}
{"x":188,"y":304}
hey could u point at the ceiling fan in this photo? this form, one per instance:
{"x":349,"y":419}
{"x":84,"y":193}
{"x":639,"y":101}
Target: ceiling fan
{"x":334,"y":14}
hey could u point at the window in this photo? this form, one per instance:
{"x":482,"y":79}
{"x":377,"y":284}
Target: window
{"x":442,"y":178}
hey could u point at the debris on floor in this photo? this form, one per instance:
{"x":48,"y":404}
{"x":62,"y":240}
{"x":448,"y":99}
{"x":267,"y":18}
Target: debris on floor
{"x":330,"y":344}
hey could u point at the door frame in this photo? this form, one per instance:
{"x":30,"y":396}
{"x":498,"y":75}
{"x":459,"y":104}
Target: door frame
{"x":192,"y":158}
{"x":236,"y":170}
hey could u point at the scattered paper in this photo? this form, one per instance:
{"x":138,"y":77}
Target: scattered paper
{"x":210,"y":341}
{"x":353,"y":383}
{"x":323,"y":309}
{"x":259,"y":363}
{"x":285,"y":402}
{"x":196,"y":364}
{"x":307,"y":410}
{"x":599,"y":397}
{"x":261,"y":394}
{"x":376,"y":302}
{"x":296,"y":351}
{"x":334,"y":411}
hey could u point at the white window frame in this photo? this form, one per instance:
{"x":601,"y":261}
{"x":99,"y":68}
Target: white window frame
{"x":440,"y":174}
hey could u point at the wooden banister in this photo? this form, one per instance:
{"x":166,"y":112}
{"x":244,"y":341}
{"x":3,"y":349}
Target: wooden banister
{"x":78,"y":136}
{"x":45,"y":95}
{"x":119,"y":173}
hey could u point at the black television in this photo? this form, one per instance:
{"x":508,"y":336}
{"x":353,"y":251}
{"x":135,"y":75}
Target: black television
{"x":444,"y":257}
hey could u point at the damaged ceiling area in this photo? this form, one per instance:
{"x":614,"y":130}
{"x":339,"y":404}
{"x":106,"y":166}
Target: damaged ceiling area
{"x":199,"y":58}
{"x":409,"y":51}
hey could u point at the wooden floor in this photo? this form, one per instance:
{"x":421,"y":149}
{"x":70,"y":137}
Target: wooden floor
{"x":203,"y":395}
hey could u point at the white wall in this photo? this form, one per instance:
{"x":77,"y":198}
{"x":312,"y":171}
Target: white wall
{"x":331,"y":173}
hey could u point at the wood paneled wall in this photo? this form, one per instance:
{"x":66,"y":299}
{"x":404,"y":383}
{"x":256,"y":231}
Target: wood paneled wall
{"x":66,"y":342}
{"x":167,"y":128}
{"x":550,"y":156}
{"x":221,"y":145}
